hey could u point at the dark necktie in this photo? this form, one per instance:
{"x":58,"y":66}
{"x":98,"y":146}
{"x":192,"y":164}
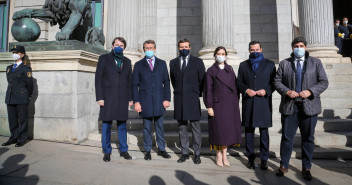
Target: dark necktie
{"x":183,"y":65}
{"x":299,"y":77}
{"x":14,"y":67}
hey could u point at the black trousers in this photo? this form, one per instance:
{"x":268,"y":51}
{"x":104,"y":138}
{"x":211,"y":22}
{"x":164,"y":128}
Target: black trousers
{"x":18,"y":122}
{"x":264,"y":143}
{"x":196,"y":133}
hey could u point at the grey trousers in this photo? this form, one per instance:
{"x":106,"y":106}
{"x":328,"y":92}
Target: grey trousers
{"x":196,"y":135}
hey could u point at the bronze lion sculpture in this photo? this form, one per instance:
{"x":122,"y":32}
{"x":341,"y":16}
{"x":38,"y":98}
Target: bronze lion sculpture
{"x":73,"y":16}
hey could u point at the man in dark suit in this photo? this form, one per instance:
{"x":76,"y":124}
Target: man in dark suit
{"x":256,"y":83}
{"x":151,"y":96}
{"x":300,"y":80}
{"x":187,"y":73}
{"x":112,"y":86}
{"x":19,"y":90}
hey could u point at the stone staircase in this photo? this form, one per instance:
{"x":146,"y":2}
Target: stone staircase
{"x":333,"y":136}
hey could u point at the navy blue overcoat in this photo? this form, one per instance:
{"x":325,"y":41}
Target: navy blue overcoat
{"x":256,"y":110}
{"x":113,"y":85}
{"x":151,"y":88}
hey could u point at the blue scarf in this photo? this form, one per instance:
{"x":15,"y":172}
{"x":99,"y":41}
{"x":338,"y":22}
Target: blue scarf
{"x":255,"y":58}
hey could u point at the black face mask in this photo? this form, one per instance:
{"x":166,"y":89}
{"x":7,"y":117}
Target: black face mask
{"x":184,"y":52}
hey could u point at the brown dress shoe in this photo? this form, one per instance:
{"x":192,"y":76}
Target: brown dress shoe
{"x":281,"y":171}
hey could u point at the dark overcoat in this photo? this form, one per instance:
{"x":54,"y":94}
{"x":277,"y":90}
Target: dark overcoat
{"x":221,"y":95}
{"x":151,"y":88}
{"x":188,"y":87}
{"x":256,"y":110}
{"x":20,"y":84}
{"x":113,"y":85}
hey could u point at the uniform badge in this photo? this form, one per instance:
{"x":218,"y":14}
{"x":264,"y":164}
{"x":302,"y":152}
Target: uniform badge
{"x":29,"y":74}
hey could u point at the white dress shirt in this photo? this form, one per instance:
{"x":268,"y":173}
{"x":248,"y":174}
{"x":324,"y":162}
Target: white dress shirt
{"x":301,"y":62}
{"x":186,"y":59}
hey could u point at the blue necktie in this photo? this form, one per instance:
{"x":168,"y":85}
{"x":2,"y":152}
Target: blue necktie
{"x":14,"y":67}
{"x":299,"y":77}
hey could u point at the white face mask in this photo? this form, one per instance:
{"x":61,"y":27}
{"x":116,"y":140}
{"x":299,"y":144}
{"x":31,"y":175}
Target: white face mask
{"x":337,"y":24}
{"x":345,"y":22}
{"x":220,"y":59}
{"x":16,"y":56}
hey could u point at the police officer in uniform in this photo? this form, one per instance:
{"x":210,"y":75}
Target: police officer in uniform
{"x":19,"y":90}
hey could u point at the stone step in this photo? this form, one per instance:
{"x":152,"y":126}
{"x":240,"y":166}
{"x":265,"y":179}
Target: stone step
{"x":328,"y":113}
{"x":328,"y":152}
{"x":172,"y":138}
{"x":326,"y":125}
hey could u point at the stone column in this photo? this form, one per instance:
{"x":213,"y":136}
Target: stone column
{"x":315,"y":18}
{"x":147,"y":21}
{"x":218,"y":29}
{"x":123,"y":19}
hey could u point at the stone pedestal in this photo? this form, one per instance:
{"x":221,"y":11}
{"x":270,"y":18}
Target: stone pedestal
{"x":123,"y":19}
{"x":62,"y":107}
{"x":313,"y":16}
{"x":218,"y":30}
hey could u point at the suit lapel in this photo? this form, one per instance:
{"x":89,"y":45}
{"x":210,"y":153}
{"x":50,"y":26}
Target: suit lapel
{"x":223,"y":77}
{"x":156,"y":64}
{"x":145,"y":63}
{"x":113,"y":63}
{"x":178,"y":65}
{"x":189,"y":64}
{"x":18,"y":68}
{"x":249,"y":66}
{"x":262,"y":65}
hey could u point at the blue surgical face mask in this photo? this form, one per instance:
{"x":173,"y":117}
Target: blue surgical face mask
{"x":149,"y":54}
{"x":299,"y":52}
{"x":184,"y":52}
{"x":118,"y":50}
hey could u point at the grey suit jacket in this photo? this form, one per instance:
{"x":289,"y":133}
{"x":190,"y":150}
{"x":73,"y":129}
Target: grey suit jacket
{"x":314,"y":79}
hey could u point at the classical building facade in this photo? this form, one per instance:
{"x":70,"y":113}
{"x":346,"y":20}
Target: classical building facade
{"x":64,"y":107}
{"x":210,"y":23}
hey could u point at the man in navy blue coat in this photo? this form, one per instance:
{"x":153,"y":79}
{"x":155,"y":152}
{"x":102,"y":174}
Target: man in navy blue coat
{"x":256,"y":83}
{"x":113,"y":94}
{"x":187,"y":74}
{"x":151,"y":96}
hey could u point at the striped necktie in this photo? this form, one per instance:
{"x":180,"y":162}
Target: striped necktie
{"x":150,"y":64}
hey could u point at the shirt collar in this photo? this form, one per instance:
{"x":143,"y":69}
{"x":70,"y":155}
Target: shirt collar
{"x":302,"y":58}
{"x":153,"y":58}
{"x":186,"y":58}
{"x":18,"y":63}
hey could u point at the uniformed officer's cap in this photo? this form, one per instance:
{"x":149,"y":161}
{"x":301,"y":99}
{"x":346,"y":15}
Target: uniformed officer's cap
{"x":18,"y":48}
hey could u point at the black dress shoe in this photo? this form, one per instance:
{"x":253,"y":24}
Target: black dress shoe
{"x":164,"y":154}
{"x":264,"y":165}
{"x":19,"y":144}
{"x":7,"y":143}
{"x":107,"y":157}
{"x":281,"y":171}
{"x":307,"y":175}
{"x":126,"y":155}
{"x":197,"y":159}
{"x":147,"y":156}
{"x":251,"y":164}
{"x":183,"y":158}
